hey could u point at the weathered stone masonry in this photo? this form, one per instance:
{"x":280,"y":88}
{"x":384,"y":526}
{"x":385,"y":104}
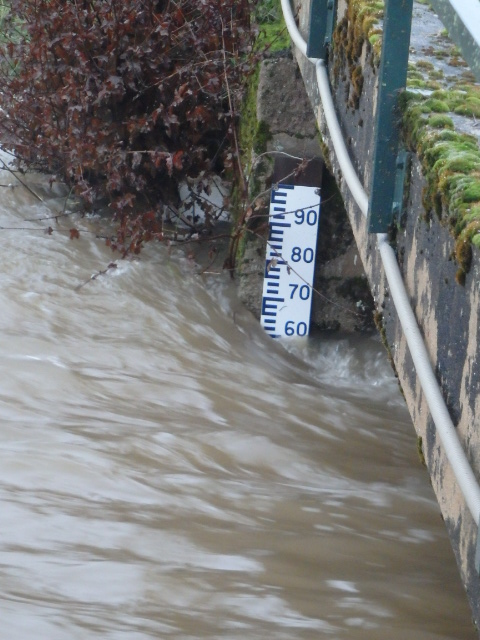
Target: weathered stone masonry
{"x":288,"y":130}
{"x":447,"y":312}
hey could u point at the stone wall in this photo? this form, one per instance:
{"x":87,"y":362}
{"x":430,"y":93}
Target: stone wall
{"x":447,"y":312}
{"x":342,"y":301}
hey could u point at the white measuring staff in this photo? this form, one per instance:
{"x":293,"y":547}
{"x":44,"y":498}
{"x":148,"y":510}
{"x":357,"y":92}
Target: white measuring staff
{"x":290,"y":260}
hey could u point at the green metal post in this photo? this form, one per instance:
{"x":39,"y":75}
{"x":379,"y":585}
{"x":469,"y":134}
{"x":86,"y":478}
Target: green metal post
{"x":322,"y":18}
{"x":392,"y":79}
{"x":462,"y":20}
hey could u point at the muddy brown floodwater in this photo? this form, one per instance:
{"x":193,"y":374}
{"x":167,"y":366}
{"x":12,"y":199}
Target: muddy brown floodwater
{"x":169,"y":471}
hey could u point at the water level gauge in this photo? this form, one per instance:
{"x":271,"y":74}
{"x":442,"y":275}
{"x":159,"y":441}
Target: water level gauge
{"x":290,"y":260}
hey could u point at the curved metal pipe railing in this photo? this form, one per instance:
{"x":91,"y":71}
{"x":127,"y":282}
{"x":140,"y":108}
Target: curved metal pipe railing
{"x":436,"y":403}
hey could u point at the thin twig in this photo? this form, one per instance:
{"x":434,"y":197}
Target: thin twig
{"x":7,"y":168}
{"x":111,"y":266}
{"x":276,"y":153}
{"x":279,"y":256}
{"x":232,"y":112}
{"x":186,"y":222}
{"x":210,"y":264}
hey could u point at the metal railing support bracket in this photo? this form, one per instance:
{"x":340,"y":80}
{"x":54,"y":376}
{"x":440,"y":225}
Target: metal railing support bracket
{"x":322,"y":20}
{"x":392,"y":79}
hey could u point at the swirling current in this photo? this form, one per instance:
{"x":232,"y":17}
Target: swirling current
{"x":167,"y":470}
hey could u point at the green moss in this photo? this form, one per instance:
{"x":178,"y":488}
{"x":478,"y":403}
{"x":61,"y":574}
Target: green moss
{"x":273,"y":33}
{"x":253,"y":134}
{"x":325,"y":152}
{"x":476,"y":240}
{"x":357,"y":86}
{"x":461,"y":277}
{"x":467,"y":76}
{"x":380,"y":326}
{"x":414,"y":74}
{"x":425,"y":64}
{"x":463,"y":251}
{"x":437,"y":105}
{"x":421,"y":455}
{"x":408,"y":98}
{"x":450,"y":161}
{"x":471,"y":107}
{"x":439,"y":121}
{"x":262,"y":135}
{"x":472,"y":192}
{"x":275,"y":36}
{"x":464,"y":99}
{"x":357,"y":29}
{"x":422,"y":75}
{"x":417,"y":83}
{"x":457,"y":62}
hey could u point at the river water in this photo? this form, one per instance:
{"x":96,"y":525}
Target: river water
{"x":169,"y":471}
